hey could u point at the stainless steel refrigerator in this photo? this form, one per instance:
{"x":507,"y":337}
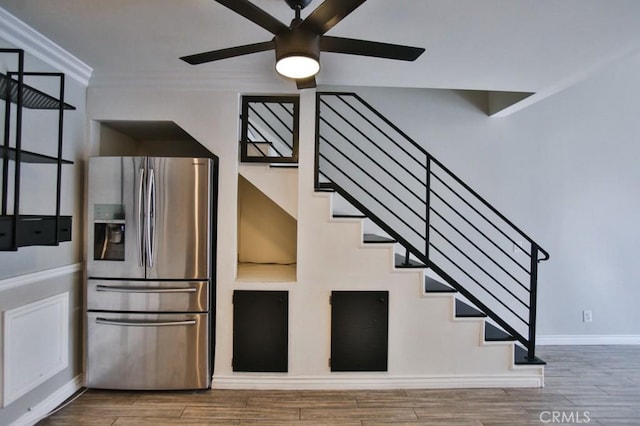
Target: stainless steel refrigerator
{"x":149,"y":273}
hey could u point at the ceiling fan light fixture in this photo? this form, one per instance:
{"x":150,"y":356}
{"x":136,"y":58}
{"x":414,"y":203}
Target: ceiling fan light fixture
{"x":297,"y":53}
{"x":297,"y":66}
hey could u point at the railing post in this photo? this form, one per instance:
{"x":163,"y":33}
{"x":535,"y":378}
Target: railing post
{"x":427,"y":209}
{"x":533,"y":296}
{"x":316,"y":166}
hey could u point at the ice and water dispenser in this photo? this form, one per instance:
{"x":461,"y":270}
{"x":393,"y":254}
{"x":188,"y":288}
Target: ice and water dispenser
{"x":109,"y":232}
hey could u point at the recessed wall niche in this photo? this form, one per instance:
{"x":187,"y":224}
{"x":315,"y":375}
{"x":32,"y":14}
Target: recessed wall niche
{"x":148,"y":138}
{"x":267,"y":237}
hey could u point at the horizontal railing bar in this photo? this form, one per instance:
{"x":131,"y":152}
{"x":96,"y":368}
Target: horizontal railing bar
{"x":459,"y":250}
{"x":478,"y":283}
{"x":380,"y":116}
{"x":372,"y":197}
{"x":285,"y":108}
{"x":250,"y":125}
{"x":290,"y":130}
{"x":480,"y":305}
{"x":480,"y":250}
{"x":489,"y":206}
{"x":442,"y":166}
{"x":275,"y":132}
{"x":253,"y":127}
{"x":258,"y":148}
{"x":372,"y":142}
{"x":479,"y":231}
{"x":375,"y":180}
{"x":373,"y":161}
{"x":373,"y":217}
{"x":476,"y":210}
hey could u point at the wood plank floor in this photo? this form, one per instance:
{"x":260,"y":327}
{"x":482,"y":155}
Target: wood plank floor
{"x":585,"y":384}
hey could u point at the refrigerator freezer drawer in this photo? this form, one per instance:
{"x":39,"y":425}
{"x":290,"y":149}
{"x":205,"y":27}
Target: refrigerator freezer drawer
{"x":148,"y":296}
{"x":142,"y":351}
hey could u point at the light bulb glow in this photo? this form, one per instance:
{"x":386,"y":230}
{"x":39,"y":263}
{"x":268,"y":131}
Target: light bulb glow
{"x":297,"y":67}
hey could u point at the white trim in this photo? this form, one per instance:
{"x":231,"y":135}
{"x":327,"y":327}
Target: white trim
{"x":45,"y":320}
{"x":238,"y":80}
{"x":34,"y":277}
{"x":376,"y":382}
{"x":50,"y":403}
{"x":614,"y":339}
{"x":24,"y":37}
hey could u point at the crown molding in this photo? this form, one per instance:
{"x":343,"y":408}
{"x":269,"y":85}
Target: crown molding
{"x":241,"y":80}
{"x":34,"y":43}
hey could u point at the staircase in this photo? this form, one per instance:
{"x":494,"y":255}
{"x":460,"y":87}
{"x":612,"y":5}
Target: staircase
{"x":399,"y":220}
{"x":469,"y":250}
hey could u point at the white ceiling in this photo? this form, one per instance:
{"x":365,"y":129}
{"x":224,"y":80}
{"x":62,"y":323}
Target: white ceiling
{"x":509,"y":45}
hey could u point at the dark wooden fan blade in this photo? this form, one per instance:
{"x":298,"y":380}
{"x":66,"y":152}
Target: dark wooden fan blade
{"x":329,"y":14}
{"x":306,"y":83}
{"x":215,"y":55}
{"x":370,"y":48}
{"x":255,"y":15}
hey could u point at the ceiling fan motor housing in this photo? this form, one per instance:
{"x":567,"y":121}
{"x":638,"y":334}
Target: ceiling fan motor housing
{"x":297,"y":42}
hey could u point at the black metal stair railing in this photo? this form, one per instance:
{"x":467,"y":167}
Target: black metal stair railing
{"x":436,"y":216}
{"x":269,"y":129}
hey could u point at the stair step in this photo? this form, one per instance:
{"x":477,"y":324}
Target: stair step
{"x":435,"y":286}
{"x":284,"y":165}
{"x":349,"y":216}
{"x":400,"y":262}
{"x":494,"y":334}
{"x":464,"y":310}
{"x":325,"y":189}
{"x":377,"y":239}
{"x":521,"y":357}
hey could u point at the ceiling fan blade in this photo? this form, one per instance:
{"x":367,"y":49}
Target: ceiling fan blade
{"x":255,"y":15}
{"x":215,"y":55}
{"x":329,"y":14}
{"x":306,"y":83}
{"x":370,"y":48}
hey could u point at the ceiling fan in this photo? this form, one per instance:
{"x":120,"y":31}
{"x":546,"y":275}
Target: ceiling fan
{"x":298,"y":45}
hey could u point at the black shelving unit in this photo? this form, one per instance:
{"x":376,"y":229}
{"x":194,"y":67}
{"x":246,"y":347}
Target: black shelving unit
{"x":20,"y":230}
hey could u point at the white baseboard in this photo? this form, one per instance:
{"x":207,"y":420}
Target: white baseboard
{"x":259,"y":382}
{"x":615,"y":339}
{"x":46,"y":406}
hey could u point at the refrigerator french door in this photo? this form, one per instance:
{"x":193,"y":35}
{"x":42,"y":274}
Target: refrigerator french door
{"x":149,"y":270}
{"x":149,"y":217}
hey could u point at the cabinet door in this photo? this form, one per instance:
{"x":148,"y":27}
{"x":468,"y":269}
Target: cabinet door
{"x":359,"y":330}
{"x":260,"y":331}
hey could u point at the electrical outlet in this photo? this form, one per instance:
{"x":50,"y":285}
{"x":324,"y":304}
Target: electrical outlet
{"x":587,"y":316}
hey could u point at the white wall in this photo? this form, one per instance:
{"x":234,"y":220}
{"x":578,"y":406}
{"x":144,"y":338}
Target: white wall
{"x":34,"y":273}
{"x":330,"y":257}
{"x":565,"y":170}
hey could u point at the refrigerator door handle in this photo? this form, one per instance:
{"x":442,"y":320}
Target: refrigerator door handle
{"x":140,"y":220}
{"x":151,"y":217}
{"x":119,"y":289}
{"x":125,"y":323}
